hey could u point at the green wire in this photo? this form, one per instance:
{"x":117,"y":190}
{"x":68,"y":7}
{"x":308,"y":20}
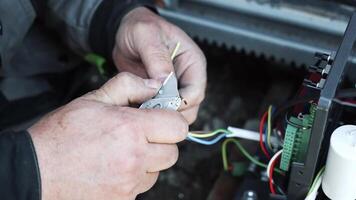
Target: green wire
{"x":244,"y":152}
{"x":321,"y":171}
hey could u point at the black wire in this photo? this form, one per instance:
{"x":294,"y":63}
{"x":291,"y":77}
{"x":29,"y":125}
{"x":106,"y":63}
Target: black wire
{"x":346,"y":93}
{"x":294,"y":124}
{"x":296,"y":101}
{"x":343,"y":93}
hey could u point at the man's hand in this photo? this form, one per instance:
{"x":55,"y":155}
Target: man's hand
{"x":97,"y":147}
{"x":144,"y":44}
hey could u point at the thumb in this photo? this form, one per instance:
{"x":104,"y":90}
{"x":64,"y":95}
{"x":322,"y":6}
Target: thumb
{"x":156,"y":58}
{"x":125,"y":89}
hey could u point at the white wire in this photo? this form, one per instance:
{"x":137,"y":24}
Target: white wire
{"x":247,"y":135}
{"x":275,"y":156}
{"x":312,"y":194}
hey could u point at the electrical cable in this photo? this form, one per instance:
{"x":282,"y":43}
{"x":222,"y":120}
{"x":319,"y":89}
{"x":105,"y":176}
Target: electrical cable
{"x":313,"y":191}
{"x":206,"y":142}
{"x":270,"y":170}
{"x":243,"y":151}
{"x":266,"y":126}
{"x":299,"y":100}
{"x":343,"y":93}
{"x":175,"y":50}
{"x":275,"y":156}
{"x":270,"y":179}
{"x":269,"y":150}
{"x":269,"y":127}
{"x":211,"y":134}
{"x":294,"y":124}
{"x":263,"y":148}
{"x":346,"y":93}
{"x":344,"y":103}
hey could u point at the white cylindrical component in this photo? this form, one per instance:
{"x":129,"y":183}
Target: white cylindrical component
{"x":339,"y":181}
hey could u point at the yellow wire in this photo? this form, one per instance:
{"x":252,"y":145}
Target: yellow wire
{"x":207,"y":135}
{"x":269,"y":127}
{"x":175,"y":50}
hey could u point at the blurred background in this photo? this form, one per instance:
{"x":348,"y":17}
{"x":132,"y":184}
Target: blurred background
{"x":257,"y":53}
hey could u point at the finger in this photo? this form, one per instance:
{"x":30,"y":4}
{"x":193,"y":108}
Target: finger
{"x":154,"y":53}
{"x":160,"y":157}
{"x":127,"y":64}
{"x":147,"y":183}
{"x":125,"y":89}
{"x":192,"y":95}
{"x":163,"y":126}
{"x":190,"y":114}
{"x":190,"y":68}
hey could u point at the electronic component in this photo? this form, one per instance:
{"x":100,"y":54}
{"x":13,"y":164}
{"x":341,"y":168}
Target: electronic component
{"x":327,"y":116}
{"x":322,"y":66}
{"x":340,"y":174}
{"x":297,"y":138}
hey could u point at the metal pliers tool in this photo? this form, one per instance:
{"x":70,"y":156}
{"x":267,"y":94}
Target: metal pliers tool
{"x":167,"y":97}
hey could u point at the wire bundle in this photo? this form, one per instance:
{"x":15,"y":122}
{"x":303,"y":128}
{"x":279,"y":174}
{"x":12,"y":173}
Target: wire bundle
{"x":270,"y":169}
{"x":201,"y":138}
{"x":243,"y":151}
{"x":265,"y":132}
{"x":267,"y":149}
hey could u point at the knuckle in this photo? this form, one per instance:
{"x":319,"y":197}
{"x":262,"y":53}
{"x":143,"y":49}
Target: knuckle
{"x":160,"y":55}
{"x":132,"y":163}
{"x":171,"y":29}
{"x":125,"y":79}
{"x":129,"y":122}
{"x":142,"y":26}
{"x":182,"y":127}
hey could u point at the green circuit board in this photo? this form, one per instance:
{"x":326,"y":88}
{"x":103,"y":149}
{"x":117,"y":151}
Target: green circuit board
{"x":297,"y":138}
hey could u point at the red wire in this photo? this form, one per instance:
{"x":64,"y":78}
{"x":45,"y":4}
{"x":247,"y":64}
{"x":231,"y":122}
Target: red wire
{"x":262,"y":122}
{"x":271,"y":185}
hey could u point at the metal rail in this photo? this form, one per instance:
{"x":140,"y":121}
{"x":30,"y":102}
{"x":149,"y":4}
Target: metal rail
{"x":282,"y":31}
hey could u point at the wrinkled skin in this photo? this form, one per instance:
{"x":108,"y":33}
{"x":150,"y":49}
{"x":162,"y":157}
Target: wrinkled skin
{"x":144,"y":44}
{"x":96,"y":147}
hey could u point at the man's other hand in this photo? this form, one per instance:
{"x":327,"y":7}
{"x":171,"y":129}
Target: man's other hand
{"x":97,"y":147}
{"x":144,"y":44}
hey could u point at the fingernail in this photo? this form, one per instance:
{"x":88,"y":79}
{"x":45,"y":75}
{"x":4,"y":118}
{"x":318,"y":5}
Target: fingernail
{"x":152,"y":83}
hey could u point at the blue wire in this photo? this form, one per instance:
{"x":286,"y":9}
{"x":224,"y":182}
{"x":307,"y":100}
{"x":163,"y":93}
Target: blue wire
{"x":206,"y":142}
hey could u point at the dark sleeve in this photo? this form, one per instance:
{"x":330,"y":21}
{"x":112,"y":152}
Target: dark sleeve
{"x":106,"y":21}
{"x":19,"y":172}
